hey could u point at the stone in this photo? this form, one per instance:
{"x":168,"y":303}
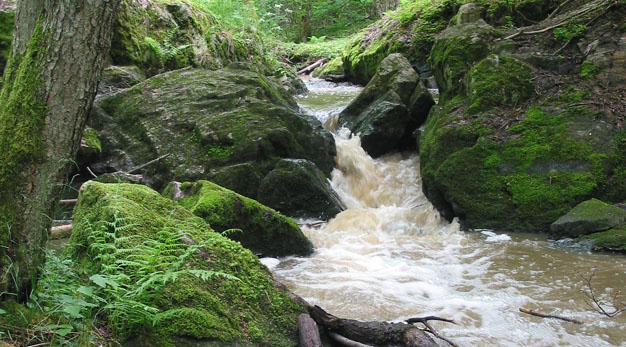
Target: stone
{"x":237,"y":305}
{"x":588,"y":217}
{"x":230,"y":126}
{"x":259,"y":228}
{"x":115,"y":78}
{"x":296,"y":187}
{"x":389,"y":109}
{"x":468,"y":13}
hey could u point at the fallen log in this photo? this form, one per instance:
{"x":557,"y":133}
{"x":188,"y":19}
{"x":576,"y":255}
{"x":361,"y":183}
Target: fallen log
{"x":61,"y":231}
{"x":544,"y":315}
{"x":68,"y":202}
{"x":372,"y":333}
{"x":346,"y":341}
{"x":307,"y":330}
{"x":311,"y":67}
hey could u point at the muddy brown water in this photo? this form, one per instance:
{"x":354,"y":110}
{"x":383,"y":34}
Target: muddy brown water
{"x":390,"y":257}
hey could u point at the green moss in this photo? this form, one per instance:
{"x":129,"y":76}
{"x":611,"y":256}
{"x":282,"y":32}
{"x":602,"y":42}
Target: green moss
{"x":610,"y":240}
{"x":264,"y":230}
{"x":333,"y":67}
{"x":22,"y":121}
{"x":7,"y":20}
{"x":221,"y":152}
{"x":216,"y":310}
{"x":455,"y":51}
{"x":589,"y":70}
{"x":90,"y":136}
{"x":498,"y":81}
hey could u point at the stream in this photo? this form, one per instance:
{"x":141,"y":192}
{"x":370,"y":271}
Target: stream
{"x":390,"y":256}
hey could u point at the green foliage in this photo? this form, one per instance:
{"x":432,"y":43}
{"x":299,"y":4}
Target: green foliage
{"x":589,"y":70}
{"x":569,"y":32}
{"x":314,"y":49}
{"x":166,"y":51}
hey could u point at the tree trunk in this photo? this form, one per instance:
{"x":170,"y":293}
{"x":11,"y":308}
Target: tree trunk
{"x":59,"y":49}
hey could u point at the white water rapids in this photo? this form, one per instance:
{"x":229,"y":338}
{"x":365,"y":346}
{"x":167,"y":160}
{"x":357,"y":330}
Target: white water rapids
{"x":390,"y":256}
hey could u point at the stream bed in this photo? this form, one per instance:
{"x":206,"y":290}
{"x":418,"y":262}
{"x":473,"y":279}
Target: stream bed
{"x":390,"y":256}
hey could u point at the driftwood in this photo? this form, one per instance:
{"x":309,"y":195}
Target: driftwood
{"x":307,"y":330}
{"x":68,"y":202}
{"x":372,"y":333}
{"x":311,"y":67}
{"x":61,"y":231}
{"x":346,"y":341}
{"x":148,"y":163}
{"x":544,"y":315}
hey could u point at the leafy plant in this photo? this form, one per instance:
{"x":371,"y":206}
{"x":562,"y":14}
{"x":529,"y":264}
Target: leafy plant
{"x":166,"y":51}
{"x":569,"y":32}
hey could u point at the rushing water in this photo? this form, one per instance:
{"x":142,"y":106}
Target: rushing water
{"x":390,"y":257}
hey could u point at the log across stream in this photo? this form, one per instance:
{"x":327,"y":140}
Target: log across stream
{"x":391,"y":257}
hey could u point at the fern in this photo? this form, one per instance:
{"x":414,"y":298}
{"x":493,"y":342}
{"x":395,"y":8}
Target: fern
{"x":166,"y":51}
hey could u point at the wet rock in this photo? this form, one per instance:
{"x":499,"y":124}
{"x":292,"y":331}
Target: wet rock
{"x":588,"y":217}
{"x":333,"y":71}
{"x":296,"y":187}
{"x":293,"y":85}
{"x":262,"y":230}
{"x":230,"y":126}
{"x":236,"y":305}
{"x":387,"y":111}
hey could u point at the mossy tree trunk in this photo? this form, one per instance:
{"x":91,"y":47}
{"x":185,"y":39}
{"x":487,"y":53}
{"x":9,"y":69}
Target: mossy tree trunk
{"x":59,"y":49}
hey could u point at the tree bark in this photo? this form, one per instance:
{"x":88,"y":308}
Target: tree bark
{"x":59,"y":50}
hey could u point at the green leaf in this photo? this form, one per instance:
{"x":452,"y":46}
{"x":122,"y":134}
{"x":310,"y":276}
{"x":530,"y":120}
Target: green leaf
{"x":2,"y":311}
{"x":86,"y":290}
{"x":73,"y":311}
{"x":102,"y":282}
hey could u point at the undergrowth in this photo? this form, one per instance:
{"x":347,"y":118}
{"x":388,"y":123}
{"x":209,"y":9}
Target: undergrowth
{"x":70,"y":308}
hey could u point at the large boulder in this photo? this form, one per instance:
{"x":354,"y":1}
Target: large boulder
{"x":514,"y":145}
{"x":296,"y":187}
{"x":262,"y":230}
{"x":387,"y":111}
{"x":588,"y":217}
{"x":613,"y":240}
{"x":230,"y":126}
{"x":178,"y":282}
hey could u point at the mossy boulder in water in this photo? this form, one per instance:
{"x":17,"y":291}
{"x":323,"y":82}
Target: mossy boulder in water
{"x":230,"y":126}
{"x":387,"y":111}
{"x":588,"y":217}
{"x":515,"y":147}
{"x":264,"y":231}
{"x":332,"y":71}
{"x":613,"y":240}
{"x":238,"y":307}
{"x":297,"y":187}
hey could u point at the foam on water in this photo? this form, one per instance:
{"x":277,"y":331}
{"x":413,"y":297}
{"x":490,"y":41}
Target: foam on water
{"x":390,"y":256}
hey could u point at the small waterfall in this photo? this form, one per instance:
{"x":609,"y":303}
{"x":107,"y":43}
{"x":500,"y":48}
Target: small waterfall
{"x":390,"y":256}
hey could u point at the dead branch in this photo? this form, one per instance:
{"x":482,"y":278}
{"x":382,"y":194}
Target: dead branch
{"x":67,"y":202}
{"x":610,"y":309}
{"x":311,"y":67}
{"x":91,"y":172}
{"x":148,"y":163}
{"x":373,"y":333}
{"x":575,"y":14}
{"x":61,"y":231}
{"x":307,"y":330}
{"x":544,"y":315}
{"x":430,"y":329}
{"x":558,"y":8}
{"x":346,"y":341}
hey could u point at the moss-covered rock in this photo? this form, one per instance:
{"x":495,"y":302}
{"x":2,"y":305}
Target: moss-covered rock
{"x":296,"y":187}
{"x":333,"y":70}
{"x":7,"y":19}
{"x":455,"y":51}
{"x":588,"y":217}
{"x":230,"y":126}
{"x":264,"y":231}
{"x":513,"y":146}
{"x":409,"y":30}
{"x":240,"y":307}
{"x":162,"y":35}
{"x":613,"y":240}
{"x":387,"y":111}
